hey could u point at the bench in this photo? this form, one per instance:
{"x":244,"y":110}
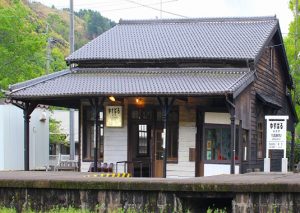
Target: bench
{"x":68,"y":165}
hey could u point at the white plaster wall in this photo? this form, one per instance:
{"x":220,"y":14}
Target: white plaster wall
{"x":64,"y":117}
{"x":39,"y":140}
{"x":12,"y":139}
{"x":218,"y":169}
{"x":217,"y":118}
{"x":186,"y":139}
{"x":115,"y":142}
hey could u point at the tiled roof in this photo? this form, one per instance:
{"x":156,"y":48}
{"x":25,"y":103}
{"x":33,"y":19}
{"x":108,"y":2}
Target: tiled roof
{"x":207,"y":38}
{"x":135,"y":81}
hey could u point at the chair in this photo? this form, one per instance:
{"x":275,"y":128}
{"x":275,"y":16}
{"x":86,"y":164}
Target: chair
{"x":104,"y":167}
{"x":92,"y":167}
{"x":110,"y":167}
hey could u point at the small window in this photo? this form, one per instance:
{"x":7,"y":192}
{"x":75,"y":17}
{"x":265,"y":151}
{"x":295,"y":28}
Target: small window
{"x":260,"y":139}
{"x":143,"y":140}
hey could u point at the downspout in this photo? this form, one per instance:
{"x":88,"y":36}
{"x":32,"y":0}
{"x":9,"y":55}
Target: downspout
{"x":231,"y":107}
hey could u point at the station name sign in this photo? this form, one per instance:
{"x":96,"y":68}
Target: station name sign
{"x":276,"y":132}
{"x":114,"y":116}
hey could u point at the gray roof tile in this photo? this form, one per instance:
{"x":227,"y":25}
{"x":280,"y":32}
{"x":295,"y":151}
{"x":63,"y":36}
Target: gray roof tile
{"x":210,"y":38}
{"x":135,"y":81}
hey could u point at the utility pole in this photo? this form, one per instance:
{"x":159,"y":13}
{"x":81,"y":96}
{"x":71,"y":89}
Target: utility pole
{"x":48,"y":59}
{"x":71,"y":136}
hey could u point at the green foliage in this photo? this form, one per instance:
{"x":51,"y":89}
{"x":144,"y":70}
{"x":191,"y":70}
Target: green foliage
{"x":96,"y":24}
{"x":24,"y":33}
{"x":56,"y":135}
{"x":22,"y":45}
{"x":292,"y":44}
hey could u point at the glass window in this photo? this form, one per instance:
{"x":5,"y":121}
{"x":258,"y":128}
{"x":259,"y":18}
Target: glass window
{"x":245,"y":138}
{"x":218,"y":143}
{"x":89,"y":130}
{"x":260,"y":139}
{"x":143,"y":140}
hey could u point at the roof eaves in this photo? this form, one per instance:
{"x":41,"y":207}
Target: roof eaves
{"x":239,"y":89}
{"x":29,"y":83}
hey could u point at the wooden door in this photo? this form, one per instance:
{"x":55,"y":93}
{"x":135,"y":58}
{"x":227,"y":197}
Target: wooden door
{"x":158,"y":151}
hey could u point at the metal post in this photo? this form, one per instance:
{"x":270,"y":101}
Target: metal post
{"x":26,"y":136}
{"x":292,"y":149}
{"x":72,"y":140}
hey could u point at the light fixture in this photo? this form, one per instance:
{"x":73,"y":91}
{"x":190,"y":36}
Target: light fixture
{"x":43,"y":116}
{"x":139,"y":101}
{"x":112,"y":98}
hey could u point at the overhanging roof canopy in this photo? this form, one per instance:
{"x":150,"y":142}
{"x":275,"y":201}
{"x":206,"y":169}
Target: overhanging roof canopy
{"x":84,"y":82}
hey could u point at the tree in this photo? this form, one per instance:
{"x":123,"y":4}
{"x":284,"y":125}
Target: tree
{"x":22,"y":45}
{"x":56,"y":135}
{"x":292,"y":44}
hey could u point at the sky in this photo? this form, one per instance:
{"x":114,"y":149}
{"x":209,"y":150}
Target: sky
{"x":150,"y":9}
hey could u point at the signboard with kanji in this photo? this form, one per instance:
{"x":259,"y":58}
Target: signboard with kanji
{"x":276,"y":132}
{"x":114,"y":116}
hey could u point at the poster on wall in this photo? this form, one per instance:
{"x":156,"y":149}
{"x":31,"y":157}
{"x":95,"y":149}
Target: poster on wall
{"x":114,"y":116}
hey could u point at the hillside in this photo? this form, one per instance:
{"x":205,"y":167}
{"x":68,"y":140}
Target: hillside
{"x":27,"y":30}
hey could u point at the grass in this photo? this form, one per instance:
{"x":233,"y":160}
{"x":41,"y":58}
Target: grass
{"x":74,"y":210}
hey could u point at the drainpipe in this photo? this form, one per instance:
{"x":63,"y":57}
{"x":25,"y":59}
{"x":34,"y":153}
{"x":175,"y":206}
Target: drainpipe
{"x":231,"y":107}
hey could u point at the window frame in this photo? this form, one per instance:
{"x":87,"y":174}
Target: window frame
{"x":262,"y":132}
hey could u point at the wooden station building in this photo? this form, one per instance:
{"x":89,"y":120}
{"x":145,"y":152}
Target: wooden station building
{"x":181,"y":98}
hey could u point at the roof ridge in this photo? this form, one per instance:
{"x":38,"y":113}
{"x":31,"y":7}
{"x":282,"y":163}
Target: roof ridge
{"x":204,"y":19}
{"x":181,"y":70}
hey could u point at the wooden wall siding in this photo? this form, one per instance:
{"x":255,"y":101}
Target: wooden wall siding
{"x":115,"y":142}
{"x":270,"y":81}
{"x":186,"y":140}
{"x":242,"y":108}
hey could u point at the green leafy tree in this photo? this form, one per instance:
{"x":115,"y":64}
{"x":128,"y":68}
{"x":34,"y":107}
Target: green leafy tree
{"x":96,"y":24}
{"x":56,"y":134}
{"x":22,"y":45}
{"x":292,"y":44}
